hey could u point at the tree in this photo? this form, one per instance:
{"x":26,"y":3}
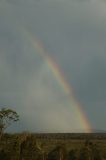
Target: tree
{"x":7,"y":116}
{"x":72,"y":155}
{"x":59,"y":153}
{"x":3,"y":155}
{"x":96,"y":153}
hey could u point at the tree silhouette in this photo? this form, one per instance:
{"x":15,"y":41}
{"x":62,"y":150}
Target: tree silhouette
{"x":72,"y":155}
{"x":86,"y":151}
{"x":7,"y":116}
{"x":59,"y":153}
{"x":3,"y":155}
{"x":96,"y":153}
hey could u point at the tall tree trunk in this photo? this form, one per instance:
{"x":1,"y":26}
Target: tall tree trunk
{"x":1,"y":132}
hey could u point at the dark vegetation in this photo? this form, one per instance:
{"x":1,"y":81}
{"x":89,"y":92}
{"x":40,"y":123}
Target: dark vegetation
{"x":66,"y":146}
{"x":26,"y":146}
{"x":7,"y":117}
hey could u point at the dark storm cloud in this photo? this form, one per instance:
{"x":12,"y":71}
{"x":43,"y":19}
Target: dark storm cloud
{"x":74,"y":33}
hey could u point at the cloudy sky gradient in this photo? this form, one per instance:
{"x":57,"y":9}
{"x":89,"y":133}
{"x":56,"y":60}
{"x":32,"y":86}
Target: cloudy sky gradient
{"x":74,"y":34}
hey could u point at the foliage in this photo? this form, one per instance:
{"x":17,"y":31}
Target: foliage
{"x":72,"y":155}
{"x":4,"y":156}
{"x":27,"y":146}
{"x":7,"y":116}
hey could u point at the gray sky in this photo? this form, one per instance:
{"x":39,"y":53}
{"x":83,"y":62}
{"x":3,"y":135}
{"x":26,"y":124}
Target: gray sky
{"x":74,"y":34}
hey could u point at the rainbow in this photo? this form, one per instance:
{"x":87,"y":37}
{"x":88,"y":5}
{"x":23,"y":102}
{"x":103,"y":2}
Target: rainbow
{"x":55,"y":69}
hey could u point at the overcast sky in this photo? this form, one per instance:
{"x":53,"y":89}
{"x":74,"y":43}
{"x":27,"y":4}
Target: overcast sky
{"x":74,"y":34}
